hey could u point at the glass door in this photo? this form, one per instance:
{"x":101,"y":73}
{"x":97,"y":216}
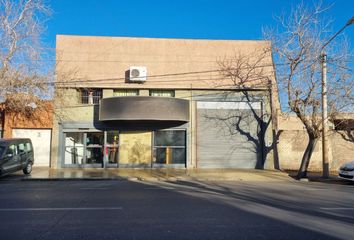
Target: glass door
{"x":112,"y":149}
{"x":94,"y":149}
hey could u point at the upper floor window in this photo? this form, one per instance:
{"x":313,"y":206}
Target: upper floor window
{"x":162,"y":93}
{"x":91,"y":96}
{"x":125,"y":92}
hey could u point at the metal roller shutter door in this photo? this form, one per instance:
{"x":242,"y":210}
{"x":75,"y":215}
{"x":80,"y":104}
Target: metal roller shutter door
{"x":220,"y":144}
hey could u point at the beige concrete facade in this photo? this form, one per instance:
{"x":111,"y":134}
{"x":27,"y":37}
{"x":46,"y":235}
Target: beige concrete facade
{"x":293,"y":141}
{"x":189,"y":67}
{"x":103,"y":61}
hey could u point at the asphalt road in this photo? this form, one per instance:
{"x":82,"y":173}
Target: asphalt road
{"x":175,"y":210}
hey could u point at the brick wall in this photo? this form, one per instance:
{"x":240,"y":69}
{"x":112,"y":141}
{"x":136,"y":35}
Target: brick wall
{"x":41,"y":119}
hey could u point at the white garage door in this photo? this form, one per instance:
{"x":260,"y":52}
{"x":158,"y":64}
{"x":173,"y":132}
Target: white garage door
{"x":41,"y":143}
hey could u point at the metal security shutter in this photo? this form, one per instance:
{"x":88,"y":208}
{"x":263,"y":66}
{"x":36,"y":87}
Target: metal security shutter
{"x":41,"y":139}
{"x":227,"y":134}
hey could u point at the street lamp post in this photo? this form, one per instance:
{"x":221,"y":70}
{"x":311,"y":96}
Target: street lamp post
{"x":325,"y":162}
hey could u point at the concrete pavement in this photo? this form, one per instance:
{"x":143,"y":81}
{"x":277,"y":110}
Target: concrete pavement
{"x":57,"y":210}
{"x":45,"y":173}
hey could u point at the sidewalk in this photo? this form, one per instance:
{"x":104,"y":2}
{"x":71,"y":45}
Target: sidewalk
{"x":45,"y":173}
{"x":250,"y":175}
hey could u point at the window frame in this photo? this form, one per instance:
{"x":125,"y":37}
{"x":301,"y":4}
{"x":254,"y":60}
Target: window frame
{"x":154,"y":147}
{"x":85,"y":148}
{"x":160,"y":92}
{"x":126,"y":92}
{"x":97,"y":94}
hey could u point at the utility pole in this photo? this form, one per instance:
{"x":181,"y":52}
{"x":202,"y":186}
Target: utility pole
{"x":323,"y":57}
{"x":325,"y":162}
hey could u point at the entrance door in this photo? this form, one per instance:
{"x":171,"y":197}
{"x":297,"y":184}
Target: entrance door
{"x":112,"y":149}
{"x":94,"y":149}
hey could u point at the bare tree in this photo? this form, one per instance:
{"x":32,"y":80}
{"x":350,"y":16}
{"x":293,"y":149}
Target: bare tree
{"x":24,"y":78}
{"x":254,"y":71}
{"x":297,"y":44}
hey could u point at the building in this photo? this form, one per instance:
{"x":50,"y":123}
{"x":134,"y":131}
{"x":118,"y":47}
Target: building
{"x":159,"y":103}
{"x":37,"y":127}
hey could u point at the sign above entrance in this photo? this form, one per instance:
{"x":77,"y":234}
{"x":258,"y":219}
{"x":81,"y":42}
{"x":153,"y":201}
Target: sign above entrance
{"x":143,"y":108}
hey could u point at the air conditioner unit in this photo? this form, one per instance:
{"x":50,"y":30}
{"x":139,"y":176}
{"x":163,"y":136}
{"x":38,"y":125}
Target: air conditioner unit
{"x":137,"y":74}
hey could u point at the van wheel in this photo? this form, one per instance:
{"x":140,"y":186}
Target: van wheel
{"x":28,"y":169}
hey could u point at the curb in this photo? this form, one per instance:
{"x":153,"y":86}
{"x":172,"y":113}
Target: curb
{"x":330,"y":180}
{"x":149,"y":179}
{"x":71,"y":179}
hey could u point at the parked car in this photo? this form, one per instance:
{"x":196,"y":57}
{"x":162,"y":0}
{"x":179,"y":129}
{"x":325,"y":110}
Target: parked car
{"x":346,"y":171}
{"x":16,"y":154}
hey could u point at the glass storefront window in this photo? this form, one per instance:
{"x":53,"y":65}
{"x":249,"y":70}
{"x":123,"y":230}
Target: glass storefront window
{"x":94,"y":147}
{"x":94,"y":155}
{"x":113,"y":146}
{"x":170,"y":147}
{"x":94,"y":138}
{"x":83,"y":148}
{"x":74,"y":148}
{"x":170,"y":138}
{"x":166,"y":155}
{"x":113,"y":137}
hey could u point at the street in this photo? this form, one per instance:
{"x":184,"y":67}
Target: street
{"x":175,"y":210}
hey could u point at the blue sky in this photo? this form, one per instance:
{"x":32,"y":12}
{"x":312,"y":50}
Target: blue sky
{"x":197,"y":19}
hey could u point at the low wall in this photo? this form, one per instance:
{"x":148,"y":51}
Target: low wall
{"x":40,"y":119}
{"x":292,"y":144}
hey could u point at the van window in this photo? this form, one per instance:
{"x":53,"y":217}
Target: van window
{"x":28,"y":147}
{"x":12,"y":150}
{"x":21,"y":148}
{"x":2,"y":149}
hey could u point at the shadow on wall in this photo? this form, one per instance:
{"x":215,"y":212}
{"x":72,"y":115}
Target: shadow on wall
{"x":246,"y":129}
{"x":137,"y":154}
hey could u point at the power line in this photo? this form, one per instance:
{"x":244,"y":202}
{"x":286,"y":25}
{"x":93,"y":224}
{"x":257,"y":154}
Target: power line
{"x":183,"y":73}
{"x":171,"y":74}
{"x":343,"y":67}
{"x":169,"y":82}
{"x":188,"y":75}
{"x":172,"y":81}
